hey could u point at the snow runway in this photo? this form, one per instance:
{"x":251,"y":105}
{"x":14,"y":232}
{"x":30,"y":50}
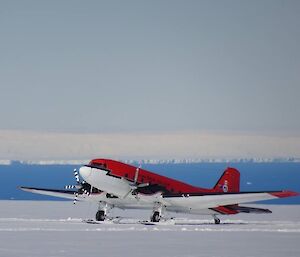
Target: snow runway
{"x":30,"y":228}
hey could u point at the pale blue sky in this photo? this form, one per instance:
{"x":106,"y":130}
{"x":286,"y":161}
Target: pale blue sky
{"x":114,"y":66}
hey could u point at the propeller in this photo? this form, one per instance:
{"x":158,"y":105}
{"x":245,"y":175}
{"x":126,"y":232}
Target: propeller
{"x":136,"y":175}
{"x":135,"y":185}
{"x":83,"y":188}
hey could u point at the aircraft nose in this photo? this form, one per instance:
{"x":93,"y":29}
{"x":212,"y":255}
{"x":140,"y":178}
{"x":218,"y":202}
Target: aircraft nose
{"x":85,"y":172}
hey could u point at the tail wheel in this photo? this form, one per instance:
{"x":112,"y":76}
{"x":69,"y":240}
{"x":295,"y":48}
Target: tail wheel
{"x":155,"y":217}
{"x":217,"y":220}
{"x":100,"y":216}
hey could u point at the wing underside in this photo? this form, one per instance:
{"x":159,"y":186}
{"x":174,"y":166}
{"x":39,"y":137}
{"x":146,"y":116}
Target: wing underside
{"x":68,"y":194}
{"x":222,"y":203}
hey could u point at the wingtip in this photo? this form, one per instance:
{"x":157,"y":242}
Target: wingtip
{"x":26,"y":189}
{"x":22,"y":188}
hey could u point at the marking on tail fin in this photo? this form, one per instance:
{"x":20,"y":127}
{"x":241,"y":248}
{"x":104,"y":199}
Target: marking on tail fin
{"x":225,"y":186}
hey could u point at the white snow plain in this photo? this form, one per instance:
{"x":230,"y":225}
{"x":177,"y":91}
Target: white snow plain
{"x":50,"y":228}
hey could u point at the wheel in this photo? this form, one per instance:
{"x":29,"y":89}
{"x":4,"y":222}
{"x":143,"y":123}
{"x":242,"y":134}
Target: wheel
{"x":217,"y":221}
{"x":100,"y":216}
{"x":155,"y":217}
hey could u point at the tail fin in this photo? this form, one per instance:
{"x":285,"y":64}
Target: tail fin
{"x":229,"y":181}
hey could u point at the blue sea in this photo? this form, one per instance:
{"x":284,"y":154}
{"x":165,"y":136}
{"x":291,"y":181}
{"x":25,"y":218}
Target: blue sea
{"x":254,"y":177}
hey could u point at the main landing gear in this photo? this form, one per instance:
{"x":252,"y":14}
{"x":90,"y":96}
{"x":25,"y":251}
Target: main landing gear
{"x":100,"y":215}
{"x":103,"y":209}
{"x":157,"y":212}
{"x":155,"y":217}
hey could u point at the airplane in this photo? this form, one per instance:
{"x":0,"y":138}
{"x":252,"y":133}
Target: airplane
{"x":113,"y":184}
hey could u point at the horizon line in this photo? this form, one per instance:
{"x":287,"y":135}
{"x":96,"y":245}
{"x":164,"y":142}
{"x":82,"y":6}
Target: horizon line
{"x":159,"y":161}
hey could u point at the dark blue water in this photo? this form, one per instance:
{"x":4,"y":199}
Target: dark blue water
{"x":254,"y":177}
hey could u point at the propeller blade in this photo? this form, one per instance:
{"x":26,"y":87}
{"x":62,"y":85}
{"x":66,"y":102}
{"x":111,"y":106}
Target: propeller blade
{"x":83,"y":188}
{"x":134,"y":186}
{"x":136,"y":175}
{"x":130,"y":191}
{"x":75,"y":198}
{"x":76,"y":176}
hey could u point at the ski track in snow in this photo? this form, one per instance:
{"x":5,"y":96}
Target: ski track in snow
{"x":79,"y":225}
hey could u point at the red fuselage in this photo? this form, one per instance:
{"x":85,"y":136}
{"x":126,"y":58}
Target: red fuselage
{"x":127,"y":171}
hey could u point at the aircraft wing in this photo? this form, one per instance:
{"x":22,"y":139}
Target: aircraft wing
{"x":68,"y":194}
{"x":215,"y":200}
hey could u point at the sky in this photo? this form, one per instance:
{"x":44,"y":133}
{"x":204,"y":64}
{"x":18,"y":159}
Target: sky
{"x":143,"y":67}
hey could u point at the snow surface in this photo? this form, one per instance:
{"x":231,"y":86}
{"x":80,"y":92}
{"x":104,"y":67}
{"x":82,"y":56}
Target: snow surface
{"x":40,"y":228}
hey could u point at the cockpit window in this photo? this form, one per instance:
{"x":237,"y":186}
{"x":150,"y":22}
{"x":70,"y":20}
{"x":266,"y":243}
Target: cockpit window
{"x":98,"y":165}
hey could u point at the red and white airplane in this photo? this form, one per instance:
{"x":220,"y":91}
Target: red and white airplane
{"x":115,"y":184}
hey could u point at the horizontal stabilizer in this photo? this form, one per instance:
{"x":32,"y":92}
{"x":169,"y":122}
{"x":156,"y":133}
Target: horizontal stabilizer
{"x":245,"y":209}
